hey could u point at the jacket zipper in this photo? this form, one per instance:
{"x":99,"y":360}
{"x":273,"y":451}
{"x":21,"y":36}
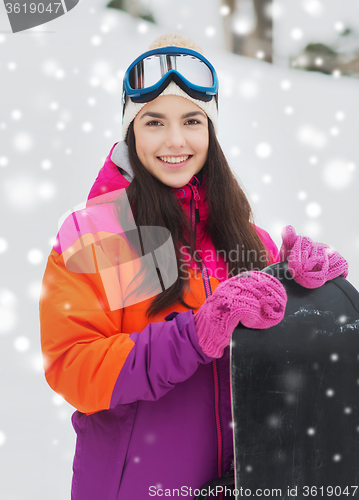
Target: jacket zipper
{"x":205,"y":276}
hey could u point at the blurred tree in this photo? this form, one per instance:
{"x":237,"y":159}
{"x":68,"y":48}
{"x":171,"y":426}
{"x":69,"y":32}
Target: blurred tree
{"x":342,"y":55}
{"x":136,"y":8}
{"x":248,"y":27}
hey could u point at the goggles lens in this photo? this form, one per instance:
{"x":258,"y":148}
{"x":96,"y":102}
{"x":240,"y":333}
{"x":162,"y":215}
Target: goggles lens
{"x":150,"y":70}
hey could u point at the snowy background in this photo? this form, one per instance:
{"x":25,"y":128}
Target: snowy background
{"x":290,"y":136}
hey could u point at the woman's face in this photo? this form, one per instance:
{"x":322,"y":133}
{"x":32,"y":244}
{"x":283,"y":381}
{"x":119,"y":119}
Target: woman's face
{"x":171,"y":135}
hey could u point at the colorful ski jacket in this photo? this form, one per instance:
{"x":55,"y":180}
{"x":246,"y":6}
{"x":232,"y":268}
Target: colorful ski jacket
{"x":153,"y":411}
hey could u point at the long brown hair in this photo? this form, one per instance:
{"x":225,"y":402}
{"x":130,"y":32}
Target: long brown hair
{"x":228,"y":224}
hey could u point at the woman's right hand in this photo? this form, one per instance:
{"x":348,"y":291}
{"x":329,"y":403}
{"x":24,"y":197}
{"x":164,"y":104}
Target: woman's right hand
{"x":254,"y":298}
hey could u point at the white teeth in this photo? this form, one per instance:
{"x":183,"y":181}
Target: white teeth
{"x":174,"y":159}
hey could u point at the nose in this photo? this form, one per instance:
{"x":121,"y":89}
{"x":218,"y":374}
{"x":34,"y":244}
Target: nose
{"x":175,"y":138}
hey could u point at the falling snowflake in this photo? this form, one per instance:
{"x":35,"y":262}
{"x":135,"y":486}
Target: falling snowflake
{"x":338,"y":174}
{"x":334,"y":131}
{"x":288,"y":110}
{"x":311,"y":136}
{"x":296,"y":34}
{"x":94,"y":81}
{"x":339,"y":115}
{"x":313,"y":7}
{"x":87,"y":127}
{"x":285,"y":85}
{"x":312,"y":229}
{"x":330,"y":393}
{"x":58,"y":400}
{"x":150,"y":438}
{"x":104,"y":28}
{"x":8,"y":317}
{"x":210,"y":31}
{"x":235,"y":151}
{"x":248,"y":89}
{"x":142,"y":28}
{"x":4,"y":161}
{"x":23,"y":142}
{"x":34,"y":291}
{"x":22,"y":344}
{"x":111,"y":85}
{"x":313,"y":209}
{"x":46,"y":164}
{"x":313,"y":160}
{"x":35,"y":256}
{"x":334,"y":357}
{"x":263,"y":150}
{"x":46,"y":190}
{"x":273,"y":10}
{"x":96,"y":40}
{"x":339,"y":26}
{"x":37,"y":363}
{"x":2,"y":438}
{"x":3,"y":245}
{"x":302,"y":195}
{"x":50,"y":66}
{"x":224,"y":10}
{"x":59,"y":74}
{"x":274,"y":421}
{"x":311,"y":431}
{"x":16,"y":114}
{"x":267,"y":179}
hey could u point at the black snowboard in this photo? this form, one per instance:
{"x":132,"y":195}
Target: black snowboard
{"x":295,"y":396}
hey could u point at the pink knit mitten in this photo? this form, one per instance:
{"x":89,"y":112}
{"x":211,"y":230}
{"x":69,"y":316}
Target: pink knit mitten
{"x":311,"y":264}
{"x":255,"y":299}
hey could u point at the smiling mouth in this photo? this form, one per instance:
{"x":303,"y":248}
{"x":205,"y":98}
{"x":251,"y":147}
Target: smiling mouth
{"x":174,"y":160}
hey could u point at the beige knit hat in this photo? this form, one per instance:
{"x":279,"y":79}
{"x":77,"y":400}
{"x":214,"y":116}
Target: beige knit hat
{"x":175,"y":40}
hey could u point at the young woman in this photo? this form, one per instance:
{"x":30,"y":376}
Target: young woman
{"x":146,"y":284}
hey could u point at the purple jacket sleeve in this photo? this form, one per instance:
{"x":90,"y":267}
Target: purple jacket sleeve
{"x":164,"y":354}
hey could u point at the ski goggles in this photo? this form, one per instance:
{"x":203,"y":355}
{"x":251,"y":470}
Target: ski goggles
{"x":150,"y":74}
